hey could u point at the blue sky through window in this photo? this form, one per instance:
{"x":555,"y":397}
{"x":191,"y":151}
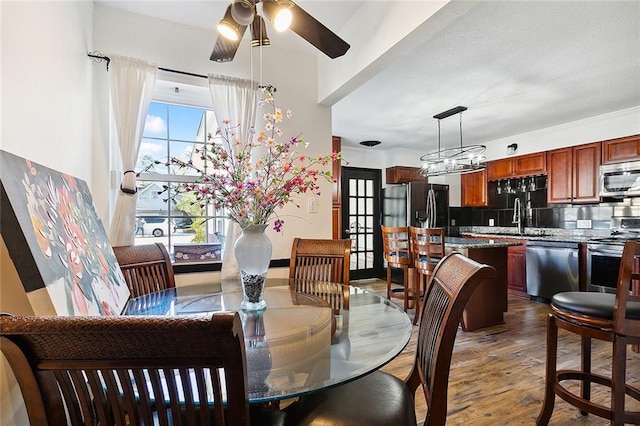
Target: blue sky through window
{"x":179,"y":123}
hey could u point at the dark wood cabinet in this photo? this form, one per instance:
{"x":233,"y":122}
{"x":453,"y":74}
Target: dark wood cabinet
{"x":522,"y":165}
{"x":404,"y":174}
{"x":516,"y":269}
{"x":516,"y":264}
{"x":559,"y":175}
{"x":500,"y":169}
{"x":586,"y":165}
{"x":474,"y":189}
{"x":573,"y":174}
{"x":336,"y":207}
{"x":621,"y":149}
{"x":531,"y":164}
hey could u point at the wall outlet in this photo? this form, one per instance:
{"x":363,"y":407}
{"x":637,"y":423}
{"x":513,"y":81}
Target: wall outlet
{"x":453,"y":222}
{"x":584,"y":224}
{"x":492,"y":222}
{"x":312,"y":205}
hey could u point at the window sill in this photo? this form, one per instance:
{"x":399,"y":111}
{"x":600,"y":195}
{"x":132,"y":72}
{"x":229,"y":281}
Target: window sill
{"x":186,"y":268}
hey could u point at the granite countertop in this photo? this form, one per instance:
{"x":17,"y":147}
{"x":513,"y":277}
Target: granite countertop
{"x":537,"y":234}
{"x":467,"y":243}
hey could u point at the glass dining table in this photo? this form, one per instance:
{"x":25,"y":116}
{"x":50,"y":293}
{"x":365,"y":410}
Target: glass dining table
{"x":299,"y":344}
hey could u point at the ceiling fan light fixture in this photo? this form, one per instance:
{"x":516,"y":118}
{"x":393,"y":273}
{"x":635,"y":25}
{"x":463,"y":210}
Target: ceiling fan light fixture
{"x":279,"y":13}
{"x":243,"y":11}
{"x":227,"y":27}
{"x":259,"y":32}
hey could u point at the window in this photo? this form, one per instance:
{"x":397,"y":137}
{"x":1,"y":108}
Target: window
{"x":161,"y":215}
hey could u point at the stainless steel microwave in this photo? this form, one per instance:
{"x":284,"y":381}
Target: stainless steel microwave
{"x":620,"y":180}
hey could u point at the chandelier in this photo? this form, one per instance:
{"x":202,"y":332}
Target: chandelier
{"x":457,"y":160}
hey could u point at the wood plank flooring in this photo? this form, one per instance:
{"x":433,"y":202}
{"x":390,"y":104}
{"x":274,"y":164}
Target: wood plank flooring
{"x":497,"y":373}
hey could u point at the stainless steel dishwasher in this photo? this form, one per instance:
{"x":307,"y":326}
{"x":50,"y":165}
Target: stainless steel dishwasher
{"x":552,"y":267}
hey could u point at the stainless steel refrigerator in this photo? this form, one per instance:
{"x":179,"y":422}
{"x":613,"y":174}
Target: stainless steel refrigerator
{"x":408,"y":205}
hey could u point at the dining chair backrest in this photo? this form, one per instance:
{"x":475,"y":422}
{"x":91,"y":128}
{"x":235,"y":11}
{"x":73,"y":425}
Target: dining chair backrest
{"x":320,"y":260}
{"x":321,"y":267}
{"x":454,"y":280}
{"x":146,"y":268}
{"x":396,"y":247}
{"x":129,"y":370}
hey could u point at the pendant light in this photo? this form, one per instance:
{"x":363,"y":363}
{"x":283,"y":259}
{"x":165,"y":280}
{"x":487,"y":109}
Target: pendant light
{"x":457,"y":160}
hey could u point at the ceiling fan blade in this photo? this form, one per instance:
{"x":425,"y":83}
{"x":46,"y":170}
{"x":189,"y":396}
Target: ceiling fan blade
{"x":224,"y":49}
{"x":310,"y":29}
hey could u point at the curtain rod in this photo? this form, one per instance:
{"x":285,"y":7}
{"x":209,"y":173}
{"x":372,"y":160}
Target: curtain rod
{"x":99,"y":57}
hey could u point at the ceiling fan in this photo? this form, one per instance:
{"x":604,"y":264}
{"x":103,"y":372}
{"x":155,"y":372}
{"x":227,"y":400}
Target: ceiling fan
{"x":283,"y":14}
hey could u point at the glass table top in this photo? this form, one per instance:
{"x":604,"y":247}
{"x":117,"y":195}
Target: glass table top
{"x":298,"y":344}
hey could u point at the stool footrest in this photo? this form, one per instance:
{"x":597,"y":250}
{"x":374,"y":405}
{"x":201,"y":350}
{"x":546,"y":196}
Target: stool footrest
{"x":590,"y":406}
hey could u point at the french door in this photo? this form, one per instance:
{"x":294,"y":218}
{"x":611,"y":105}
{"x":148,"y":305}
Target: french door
{"x":361,"y":220}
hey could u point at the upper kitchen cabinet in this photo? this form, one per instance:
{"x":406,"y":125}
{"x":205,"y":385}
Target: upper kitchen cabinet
{"x":404,"y":174}
{"x":572,"y":174}
{"x":522,"y":165}
{"x":474,"y":189}
{"x":621,"y":150}
{"x":500,"y":169}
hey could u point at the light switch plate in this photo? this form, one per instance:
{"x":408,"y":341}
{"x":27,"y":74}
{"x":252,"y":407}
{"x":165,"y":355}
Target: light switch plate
{"x":312,"y":205}
{"x":584,"y":224}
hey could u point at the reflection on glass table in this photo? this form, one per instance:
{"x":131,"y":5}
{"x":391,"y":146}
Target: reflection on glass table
{"x":298,"y":344}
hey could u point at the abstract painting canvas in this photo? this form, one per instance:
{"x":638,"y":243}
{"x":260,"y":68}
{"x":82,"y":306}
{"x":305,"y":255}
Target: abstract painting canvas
{"x":56,"y":239}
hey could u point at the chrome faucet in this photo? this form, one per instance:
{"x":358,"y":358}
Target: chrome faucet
{"x":516,"y":215}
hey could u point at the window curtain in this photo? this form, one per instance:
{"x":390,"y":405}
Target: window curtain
{"x":131,"y":83}
{"x":235,"y":100}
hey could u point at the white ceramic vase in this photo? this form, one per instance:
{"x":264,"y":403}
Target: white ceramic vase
{"x":253,"y":254}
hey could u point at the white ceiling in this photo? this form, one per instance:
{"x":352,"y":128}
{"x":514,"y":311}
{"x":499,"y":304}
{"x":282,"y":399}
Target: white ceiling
{"x":517,"y":66}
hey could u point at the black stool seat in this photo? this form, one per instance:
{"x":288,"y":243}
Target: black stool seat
{"x":598,"y":305}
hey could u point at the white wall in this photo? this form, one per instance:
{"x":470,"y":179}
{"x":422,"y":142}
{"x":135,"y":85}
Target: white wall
{"x":46,"y":111}
{"x":186,"y":48}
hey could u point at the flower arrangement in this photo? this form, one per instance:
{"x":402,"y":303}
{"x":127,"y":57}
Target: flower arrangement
{"x":251,"y":179}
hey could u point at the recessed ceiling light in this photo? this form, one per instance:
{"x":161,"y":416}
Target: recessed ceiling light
{"x":370,"y":143}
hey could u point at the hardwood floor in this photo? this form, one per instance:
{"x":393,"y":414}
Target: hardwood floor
{"x":497,"y":373}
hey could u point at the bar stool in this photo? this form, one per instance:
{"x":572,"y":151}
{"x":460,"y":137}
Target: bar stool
{"x":397,"y":253}
{"x":427,"y":248}
{"x":608,"y":317}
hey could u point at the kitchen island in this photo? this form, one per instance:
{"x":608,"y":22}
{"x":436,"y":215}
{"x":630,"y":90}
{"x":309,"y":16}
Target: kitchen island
{"x":488,"y":303}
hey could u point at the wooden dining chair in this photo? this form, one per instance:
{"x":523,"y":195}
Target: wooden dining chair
{"x":602,"y":316}
{"x":383,"y":399}
{"x":146,"y":268}
{"x":321,"y":267}
{"x":427,"y":248}
{"x":131,"y":370}
{"x":397,"y":254}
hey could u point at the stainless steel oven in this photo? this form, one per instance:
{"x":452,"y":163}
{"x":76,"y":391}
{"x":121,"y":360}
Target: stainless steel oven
{"x":604,"y":254}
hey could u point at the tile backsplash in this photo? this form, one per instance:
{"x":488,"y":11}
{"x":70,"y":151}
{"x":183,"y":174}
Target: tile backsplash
{"x":535,"y":213}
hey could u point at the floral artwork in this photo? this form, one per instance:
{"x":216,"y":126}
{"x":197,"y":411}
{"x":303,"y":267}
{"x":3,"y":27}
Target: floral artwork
{"x":252,"y":179}
{"x":56,"y":239}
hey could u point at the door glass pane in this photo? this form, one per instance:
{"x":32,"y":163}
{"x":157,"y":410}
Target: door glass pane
{"x":353,"y":224}
{"x":353,"y":187}
{"x":369,"y":189}
{"x":361,"y":206}
{"x":369,"y":206}
{"x":353,"y":205}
